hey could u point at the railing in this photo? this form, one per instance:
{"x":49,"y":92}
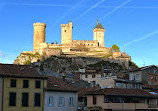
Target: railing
{"x":122,"y":105}
{"x":152,"y":106}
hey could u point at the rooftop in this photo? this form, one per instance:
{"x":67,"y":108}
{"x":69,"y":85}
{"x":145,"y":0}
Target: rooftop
{"x":22,"y":71}
{"x":121,"y":92}
{"x":82,"y":92}
{"x":98,"y":26}
{"x":55,"y":84}
{"x":143,"y":68}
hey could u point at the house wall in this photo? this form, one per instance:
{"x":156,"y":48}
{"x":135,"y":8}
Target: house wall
{"x":56,"y":96}
{"x":89,"y":78}
{"x":143,"y":74}
{"x":1,"y":91}
{"x":152,"y":70}
{"x":154,"y":103}
{"x":127,"y":106}
{"x":19,"y":90}
{"x":107,"y":83}
{"x":135,"y":74}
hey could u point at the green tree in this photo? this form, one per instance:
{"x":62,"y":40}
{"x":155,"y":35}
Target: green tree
{"x":115,"y":48}
{"x":27,"y":62}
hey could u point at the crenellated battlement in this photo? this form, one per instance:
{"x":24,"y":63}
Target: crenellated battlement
{"x":64,"y":25}
{"x":90,"y":41}
{"x":39,"y":24}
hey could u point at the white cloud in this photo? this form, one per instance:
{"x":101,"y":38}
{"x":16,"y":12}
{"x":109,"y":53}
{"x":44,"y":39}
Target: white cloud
{"x":115,"y":9}
{"x":141,"y":38}
{"x":92,"y":7}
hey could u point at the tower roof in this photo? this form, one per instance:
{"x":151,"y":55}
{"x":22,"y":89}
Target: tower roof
{"x":99,"y":26}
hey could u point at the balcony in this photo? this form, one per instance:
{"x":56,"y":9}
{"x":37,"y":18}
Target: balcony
{"x":127,"y":105}
{"x":122,"y":106}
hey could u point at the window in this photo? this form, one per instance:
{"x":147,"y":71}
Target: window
{"x":118,"y":84}
{"x":61,"y":101}
{"x":137,"y":77}
{"x":106,"y":99}
{"x":13,"y":83}
{"x":128,"y":86}
{"x":37,"y":99}
{"x":86,"y":76}
{"x":93,"y":76}
{"x":131,"y":77}
{"x":50,"y":101}
{"x":25,"y":99}
{"x":38,"y":84}
{"x":94,"y":99}
{"x":71,"y":101}
{"x":12,"y":99}
{"x":25,"y":83}
{"x":92,"y":83}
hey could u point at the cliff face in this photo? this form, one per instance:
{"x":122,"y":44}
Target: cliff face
{"x":69,"y":65}
{"x":26,"y":58}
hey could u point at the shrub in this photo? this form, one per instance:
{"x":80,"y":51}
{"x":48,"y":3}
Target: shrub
{"x":27,"y":62}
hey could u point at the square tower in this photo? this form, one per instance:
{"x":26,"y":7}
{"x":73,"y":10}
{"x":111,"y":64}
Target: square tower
{"x":98,"y":32}
{"x":66,"y":33}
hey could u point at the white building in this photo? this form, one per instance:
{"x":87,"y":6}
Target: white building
{"x":60,"y":96}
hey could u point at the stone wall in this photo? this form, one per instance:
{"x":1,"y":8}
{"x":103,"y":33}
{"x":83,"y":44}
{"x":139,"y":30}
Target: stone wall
{"x":91,"y":43}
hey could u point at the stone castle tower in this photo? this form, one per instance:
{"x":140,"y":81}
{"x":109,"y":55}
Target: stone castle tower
{"x":98,"y":33}
{"x":39,"y":35}
{"x":66,"y":33}
{"x":66,"y":37}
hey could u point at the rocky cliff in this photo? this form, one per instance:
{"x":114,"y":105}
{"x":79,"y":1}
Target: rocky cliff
{"x":69,"y":65}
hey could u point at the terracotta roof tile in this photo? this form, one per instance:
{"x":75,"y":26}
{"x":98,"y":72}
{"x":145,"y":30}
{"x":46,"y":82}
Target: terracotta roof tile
{"x":13,"y":70}
{"x":59,"y":85}
{"x":122,"y":92}
{"x":154,"y":87}
{"x":82,"y":92}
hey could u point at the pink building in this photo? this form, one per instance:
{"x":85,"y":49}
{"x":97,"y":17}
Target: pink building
{"x":110,"y":99}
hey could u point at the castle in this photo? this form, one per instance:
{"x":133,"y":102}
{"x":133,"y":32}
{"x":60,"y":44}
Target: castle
{"x":67,"y":44}
{"x":70,"y":47}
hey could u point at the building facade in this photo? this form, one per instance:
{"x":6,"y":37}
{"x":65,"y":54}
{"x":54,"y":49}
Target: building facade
{"x":114,"y":99}
{"x":22,"y":88}
{"x":141,"y":74}
{"x":60,"y":96}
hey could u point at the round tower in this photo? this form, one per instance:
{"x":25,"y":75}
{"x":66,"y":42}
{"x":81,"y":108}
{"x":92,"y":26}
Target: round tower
{"x":98,"y":32}
{"x":39,"y":35}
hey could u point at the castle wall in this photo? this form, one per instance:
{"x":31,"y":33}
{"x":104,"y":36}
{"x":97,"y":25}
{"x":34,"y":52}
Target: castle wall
{"x":91,"y":43}
{"x":39,"y":34}
{"x":49,"y":52}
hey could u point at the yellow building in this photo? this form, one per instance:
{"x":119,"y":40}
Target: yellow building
{"x":22,"y":88}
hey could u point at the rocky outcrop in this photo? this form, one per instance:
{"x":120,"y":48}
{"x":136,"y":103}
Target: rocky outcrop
{"x":69,"y":65}
{"x":26,"y":58}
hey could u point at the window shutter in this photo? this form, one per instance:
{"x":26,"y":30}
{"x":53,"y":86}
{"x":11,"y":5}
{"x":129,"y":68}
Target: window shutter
{"x":94,"y":99}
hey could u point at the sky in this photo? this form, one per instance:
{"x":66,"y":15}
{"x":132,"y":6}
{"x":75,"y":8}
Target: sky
{"x":130,"y":24}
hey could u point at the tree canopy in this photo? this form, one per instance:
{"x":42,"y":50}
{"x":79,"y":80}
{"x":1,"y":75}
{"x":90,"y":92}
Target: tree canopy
{"x":115,"y":48}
